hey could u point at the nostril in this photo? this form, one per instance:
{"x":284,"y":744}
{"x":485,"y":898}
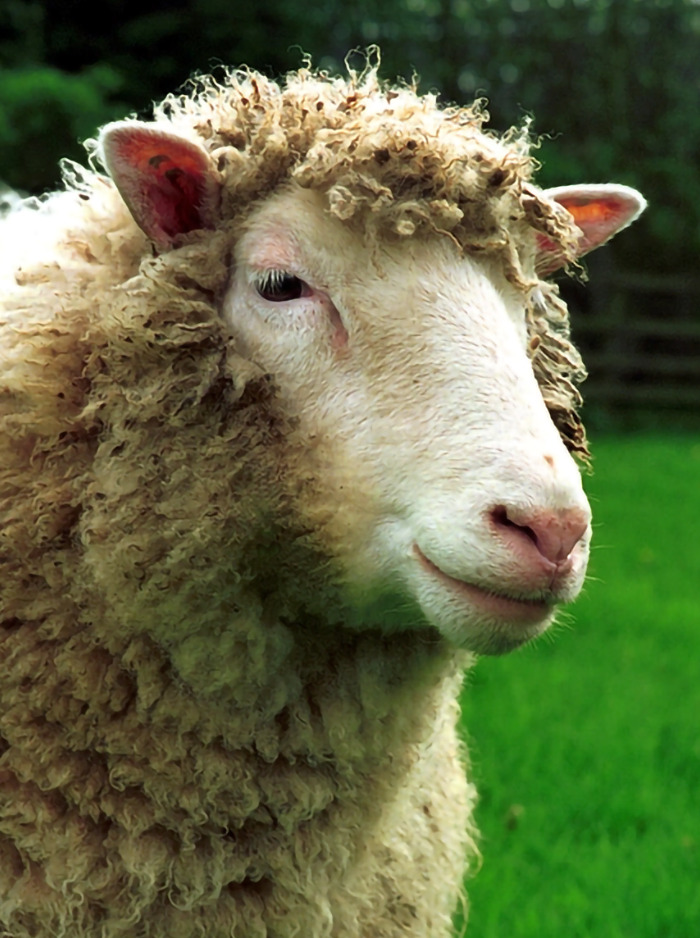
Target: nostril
{"x":555,"y":534}
{"x":501,"y":518}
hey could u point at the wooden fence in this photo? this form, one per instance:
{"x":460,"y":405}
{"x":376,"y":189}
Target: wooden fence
{"x":640,"y":336}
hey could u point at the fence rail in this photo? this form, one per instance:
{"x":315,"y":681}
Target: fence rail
{"x":640,"y":337}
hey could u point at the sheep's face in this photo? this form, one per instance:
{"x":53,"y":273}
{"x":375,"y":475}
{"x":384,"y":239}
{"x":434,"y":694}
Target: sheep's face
{"x":440,"y":485}
{"x":424,"y":458}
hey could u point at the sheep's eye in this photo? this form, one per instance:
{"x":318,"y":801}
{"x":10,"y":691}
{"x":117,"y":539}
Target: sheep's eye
{"x":277,"y":286}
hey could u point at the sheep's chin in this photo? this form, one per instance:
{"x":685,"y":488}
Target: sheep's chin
{"x":476,"y":630}
{"x":491,"y":638}
{"x":479,"y":619}
{"x":466,"y":617}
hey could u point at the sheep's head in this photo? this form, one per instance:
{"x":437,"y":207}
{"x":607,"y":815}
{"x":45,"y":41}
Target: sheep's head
{"x":390,"y":282}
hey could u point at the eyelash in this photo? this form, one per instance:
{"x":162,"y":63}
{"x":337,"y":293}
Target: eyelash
{"x":279,"y":286}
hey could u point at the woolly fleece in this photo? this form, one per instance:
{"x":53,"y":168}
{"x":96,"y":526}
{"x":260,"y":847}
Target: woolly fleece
{"x":185,"y":749}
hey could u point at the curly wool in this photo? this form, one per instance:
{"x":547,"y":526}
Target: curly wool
{"x":177,"y":757}
{"x":394,"y":161}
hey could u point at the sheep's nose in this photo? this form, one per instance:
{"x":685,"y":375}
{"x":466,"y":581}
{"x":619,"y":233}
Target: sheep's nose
{"x":555,"y":534}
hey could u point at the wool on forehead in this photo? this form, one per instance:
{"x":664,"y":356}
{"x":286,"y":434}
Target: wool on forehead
{"x":394,"y":162}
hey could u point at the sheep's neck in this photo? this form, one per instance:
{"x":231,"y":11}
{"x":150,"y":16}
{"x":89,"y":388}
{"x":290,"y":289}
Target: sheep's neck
{"x":335,"y":699}
{"x":124,"y":753}
{"x":126,"y":723}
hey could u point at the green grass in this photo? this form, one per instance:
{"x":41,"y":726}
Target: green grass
{"x":586,"y":747}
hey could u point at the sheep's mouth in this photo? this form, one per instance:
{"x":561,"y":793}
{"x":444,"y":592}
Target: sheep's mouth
{"x":490,"y":602}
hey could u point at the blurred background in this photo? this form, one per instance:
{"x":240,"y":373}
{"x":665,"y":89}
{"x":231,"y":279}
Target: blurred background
{"x":586,"y":748}
{"x":613,"y":87}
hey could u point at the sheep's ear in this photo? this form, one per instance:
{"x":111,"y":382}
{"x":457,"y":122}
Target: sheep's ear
{"x":599,"y":212}
{"x":168,"y":183}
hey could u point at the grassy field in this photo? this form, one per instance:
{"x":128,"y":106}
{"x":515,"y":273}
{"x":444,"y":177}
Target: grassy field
{"x":586,"y":747}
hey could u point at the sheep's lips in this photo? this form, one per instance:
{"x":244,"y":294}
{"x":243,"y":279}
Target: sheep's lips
{"x":495,"y":605}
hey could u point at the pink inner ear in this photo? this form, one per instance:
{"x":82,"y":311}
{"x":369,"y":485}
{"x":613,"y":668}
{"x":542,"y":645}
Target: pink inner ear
{"x":168,"y":183}
{"x":598,"y":211}
{"x":176,"y":197}
{"x":597,"y":218}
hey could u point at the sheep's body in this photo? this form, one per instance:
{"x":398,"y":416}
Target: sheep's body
{"x":287,"y":772}
{"x":222,"y":710}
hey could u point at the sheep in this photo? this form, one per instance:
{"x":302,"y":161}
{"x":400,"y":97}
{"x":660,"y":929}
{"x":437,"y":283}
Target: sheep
{"x":289,"y":419}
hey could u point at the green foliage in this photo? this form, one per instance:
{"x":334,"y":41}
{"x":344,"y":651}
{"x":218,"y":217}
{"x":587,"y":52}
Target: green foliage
{"x":586,"y":747}
{"x":44,"y":113}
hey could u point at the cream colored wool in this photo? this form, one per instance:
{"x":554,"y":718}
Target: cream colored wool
{"x":190,"y":744}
